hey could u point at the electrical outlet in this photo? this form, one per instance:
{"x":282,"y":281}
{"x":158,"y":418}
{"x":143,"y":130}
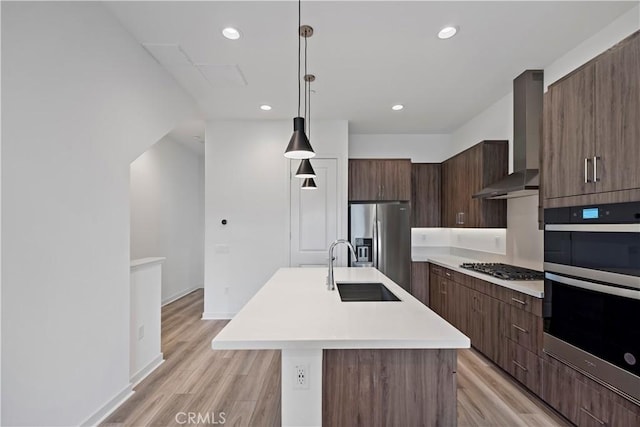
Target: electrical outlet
{"x":140,"y":332}
{"x":301,"y":378}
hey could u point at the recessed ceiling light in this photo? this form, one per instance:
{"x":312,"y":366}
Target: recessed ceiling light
{"x":265,"y":107}
{"x":231,"y":33}
{"x":447,"y":32}
{"x":397,"y":107}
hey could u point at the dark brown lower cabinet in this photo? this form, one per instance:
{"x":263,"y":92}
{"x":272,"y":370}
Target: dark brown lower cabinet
{"x":524,"y":366}
{"x":484,"y":322}
{"x":506,"y":326}
{"x":583,"y":401}
{"x":525,"y":329}
{"x":559,"y":389}
{"x":389,"y":387}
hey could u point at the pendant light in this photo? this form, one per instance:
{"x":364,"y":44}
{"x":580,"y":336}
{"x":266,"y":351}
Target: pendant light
{"x":305,"y":170}
{"x":309,"y":184}
{"x":299,"y":146}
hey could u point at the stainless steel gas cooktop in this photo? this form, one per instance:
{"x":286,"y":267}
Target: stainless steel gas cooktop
{"x":504,"y":271}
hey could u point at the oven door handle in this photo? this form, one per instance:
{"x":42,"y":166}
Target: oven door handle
{"x":595,"y":228}
{"x":596,"y":287}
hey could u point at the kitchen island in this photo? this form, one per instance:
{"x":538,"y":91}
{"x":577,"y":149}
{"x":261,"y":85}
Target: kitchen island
{"x":362,"y":363}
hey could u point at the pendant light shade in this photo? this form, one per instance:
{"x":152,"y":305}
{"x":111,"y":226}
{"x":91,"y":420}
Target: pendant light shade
{"x":305,"y":170}
{"x":299,"y":146}
{"x":309,"y":184}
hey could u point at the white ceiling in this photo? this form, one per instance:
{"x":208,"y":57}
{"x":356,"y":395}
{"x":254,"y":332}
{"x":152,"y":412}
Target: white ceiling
{"x":367,"y":56}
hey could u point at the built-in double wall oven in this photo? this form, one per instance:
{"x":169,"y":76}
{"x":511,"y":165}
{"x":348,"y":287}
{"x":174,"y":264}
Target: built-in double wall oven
{"x":592,"y":292}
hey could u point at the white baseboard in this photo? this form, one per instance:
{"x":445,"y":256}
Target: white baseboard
{"x":106,"y":409}
{"x":179,"y":295}
{"x":144,"y":372}
{"x":217,"y":316}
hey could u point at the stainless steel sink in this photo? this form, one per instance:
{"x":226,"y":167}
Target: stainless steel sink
{"x":365,"y":291}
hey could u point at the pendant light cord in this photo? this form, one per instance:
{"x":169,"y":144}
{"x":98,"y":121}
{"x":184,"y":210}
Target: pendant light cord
{"x":309,"y":121}
{"x":299,"y":24}
{"x":306,"y":84}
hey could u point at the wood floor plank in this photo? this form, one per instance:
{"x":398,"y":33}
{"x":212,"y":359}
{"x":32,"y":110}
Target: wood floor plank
{"x":246,"y":384}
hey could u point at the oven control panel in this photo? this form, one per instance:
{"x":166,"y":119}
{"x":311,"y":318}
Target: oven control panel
{"x":615,"y":213}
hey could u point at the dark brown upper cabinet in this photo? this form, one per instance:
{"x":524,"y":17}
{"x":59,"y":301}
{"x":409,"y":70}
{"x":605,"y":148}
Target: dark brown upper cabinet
{"x":571,"y":135}
{"x":379,"y":179}
{"x":425,"y":194}
{"x":467,"y":173}
{"x":617,"y":118}
{"x":592,"y":131}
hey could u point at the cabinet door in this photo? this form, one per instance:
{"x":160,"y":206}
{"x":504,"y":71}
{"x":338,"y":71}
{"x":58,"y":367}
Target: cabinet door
{"x":447,"y":194}
{"x":395,"y":179}
{"x":460,"y":178}
{"x":473,"y":169}
{"x":434,"y":293}
{"x":420,"y":281}
{"x":571,"y":136}
{"x":364,"y":179}
{"x":559,"y":389}
{"x":618,"y":117}
{"x":425,"y":194}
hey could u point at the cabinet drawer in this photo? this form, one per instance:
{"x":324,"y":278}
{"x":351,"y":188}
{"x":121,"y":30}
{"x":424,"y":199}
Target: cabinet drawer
{"x":522,"y":301}
{"x":595,"y":408}
{"x":524,"y":329}
{"x":448,"y":274}
{"x":524,"y":366}
{"x":436,"y":269}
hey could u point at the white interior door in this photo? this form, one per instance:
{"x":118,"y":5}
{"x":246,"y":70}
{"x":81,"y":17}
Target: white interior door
{"x":314,"y":214}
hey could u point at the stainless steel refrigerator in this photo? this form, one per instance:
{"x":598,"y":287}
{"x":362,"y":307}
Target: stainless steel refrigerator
{"x":381,"y":235}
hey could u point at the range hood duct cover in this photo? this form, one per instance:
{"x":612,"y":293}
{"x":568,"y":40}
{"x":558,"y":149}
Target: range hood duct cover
{"x":527,"y":133}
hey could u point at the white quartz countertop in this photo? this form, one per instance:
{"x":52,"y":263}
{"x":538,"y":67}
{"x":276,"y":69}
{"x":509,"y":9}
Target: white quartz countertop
{"x":535,"y":288}
{"x":294,"y":310}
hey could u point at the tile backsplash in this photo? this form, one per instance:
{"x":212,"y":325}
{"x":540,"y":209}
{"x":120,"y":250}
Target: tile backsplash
{"x":490,"y":241}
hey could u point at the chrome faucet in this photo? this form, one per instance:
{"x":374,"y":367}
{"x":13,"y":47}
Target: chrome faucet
{"x":331,"y":283}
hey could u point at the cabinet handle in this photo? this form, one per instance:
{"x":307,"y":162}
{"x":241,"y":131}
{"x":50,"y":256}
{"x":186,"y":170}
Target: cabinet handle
{"x":446,"y":273}
{"x":586,"y":170}
{"x":598,"y":420}
{"x":519,"y":301}
{"x":519,"y":328}
{"x":520,"y":366}
{"x":595,"y":168}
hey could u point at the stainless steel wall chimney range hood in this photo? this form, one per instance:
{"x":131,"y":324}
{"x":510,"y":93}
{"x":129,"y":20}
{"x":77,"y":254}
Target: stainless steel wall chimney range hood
{"x":527,"y":132}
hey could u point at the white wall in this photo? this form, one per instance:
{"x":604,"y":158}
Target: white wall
{"x":622,"y":27}
{"x":425,"y":148}
{"x":167,"y":214}
{"x":81,"y":100}
{"x":247,"y":183}
{"x":524,"y":240}
{"x":494,"y":123}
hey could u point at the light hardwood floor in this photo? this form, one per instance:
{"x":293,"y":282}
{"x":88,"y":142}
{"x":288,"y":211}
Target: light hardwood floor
{"x":245,"y":385}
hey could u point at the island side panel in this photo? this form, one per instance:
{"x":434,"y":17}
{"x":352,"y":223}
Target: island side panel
{"x":389,"y":387}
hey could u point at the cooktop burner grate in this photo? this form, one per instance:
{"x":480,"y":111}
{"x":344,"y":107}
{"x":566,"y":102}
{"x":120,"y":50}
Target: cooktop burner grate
{"x":504,"y":271}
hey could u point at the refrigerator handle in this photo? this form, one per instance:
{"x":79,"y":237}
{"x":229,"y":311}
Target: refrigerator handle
{"x":378,"y":244}
{"x":374,"y":255}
